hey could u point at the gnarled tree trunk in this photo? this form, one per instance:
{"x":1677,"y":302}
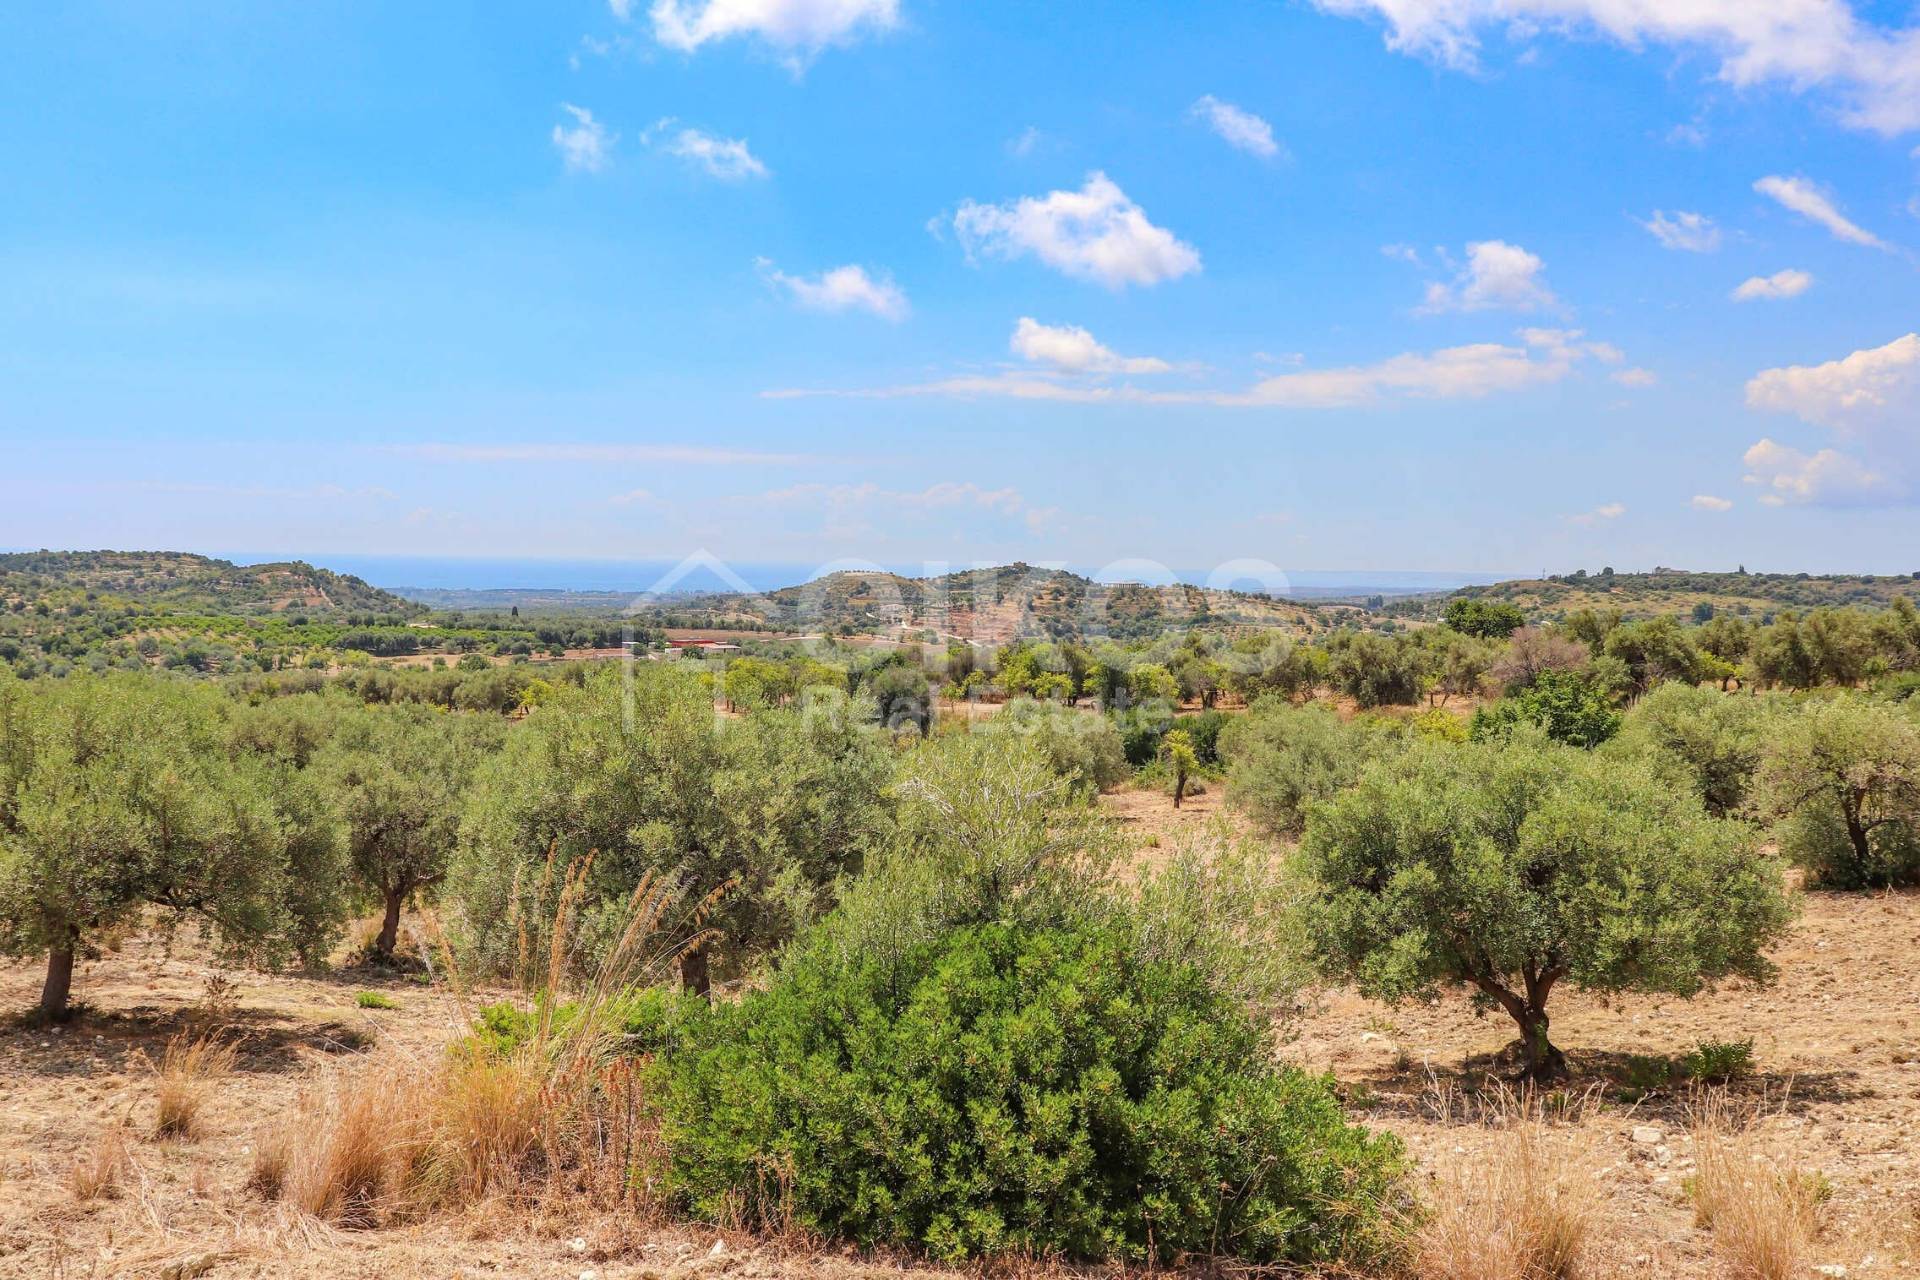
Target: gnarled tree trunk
{"x":390,"y":924}
{"x":59,"y":984}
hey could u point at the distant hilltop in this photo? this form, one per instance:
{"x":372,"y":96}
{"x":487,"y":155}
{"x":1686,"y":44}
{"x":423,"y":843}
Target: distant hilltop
{"x":1681,"y":592}
{"x":186,"y":583}
{"x":991,"y":606}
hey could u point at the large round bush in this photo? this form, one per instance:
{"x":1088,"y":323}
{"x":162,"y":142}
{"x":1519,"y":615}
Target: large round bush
{"x":1004,"y":1089}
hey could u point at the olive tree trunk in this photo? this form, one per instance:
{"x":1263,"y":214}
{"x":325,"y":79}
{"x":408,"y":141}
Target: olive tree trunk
{"x":59,"y":984}
{"x":390,"y":923}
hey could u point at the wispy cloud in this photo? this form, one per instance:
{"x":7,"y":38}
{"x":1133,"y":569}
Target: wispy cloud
{"x":585,"y":145}
{"x":1870,"y":399}
{"x":796,"y":29}
{"x":1688,"y":232}
{"x":1708,"y":502}
{"x":1780,"y":285}
{"x":1071,"y":349}
{"x":728,"y":159}
{"x":1096,"y":233}
{"x":1239,"y":128}
{"x":1452,"y":373}
{"x":848,"y":288}
{"x":1874,"y":71}
{"x":1803,"y":197}
{"x":1605,"y":511}
{"x":1497,"y":276}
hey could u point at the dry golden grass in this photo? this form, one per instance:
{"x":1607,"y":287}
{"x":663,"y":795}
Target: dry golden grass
{"x":1763,"y":1209}
{"x":1526,"y":1208}
{"x":189,"y":1069}
{"x":562,"y":1114}
{"x":96,"y":1175}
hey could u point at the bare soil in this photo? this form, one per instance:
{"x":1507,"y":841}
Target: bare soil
{"x":1837,"y":1042}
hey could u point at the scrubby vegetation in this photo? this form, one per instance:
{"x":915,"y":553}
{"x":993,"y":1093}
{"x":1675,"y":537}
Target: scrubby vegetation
{"x":798,"y":942}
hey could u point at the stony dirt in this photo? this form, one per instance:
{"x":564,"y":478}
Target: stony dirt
{"x":1837,"y":1041}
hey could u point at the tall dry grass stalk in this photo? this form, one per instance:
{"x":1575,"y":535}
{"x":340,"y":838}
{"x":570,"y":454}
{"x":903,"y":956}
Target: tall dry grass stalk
{"x":96,"y":1175}
{"x":560,"y":1119}
{"x":1524,"y":1208}
{"x":1763,"y":1209}
{"x":189,"y":1070}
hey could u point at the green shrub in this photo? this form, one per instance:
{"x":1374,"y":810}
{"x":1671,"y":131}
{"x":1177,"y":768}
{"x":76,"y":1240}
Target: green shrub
{"x":1085,"y":750}
{"x":375,"y":1000}
{"x":1001,"y":1089}
{"x":1720,"y":1061}
{"x":1282,"y":758}
{"x":1570,"y":706}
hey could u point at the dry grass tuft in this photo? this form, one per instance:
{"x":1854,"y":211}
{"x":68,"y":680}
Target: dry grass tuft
{"x":340,"y":1168}
{"x":96,"y":1175}
{"x":1763,"y":1210}
{"x":271,"y":1162}
{"x":188,"y":1071}
{"x":560,"y":1117}
{"x":1524,"y":1209}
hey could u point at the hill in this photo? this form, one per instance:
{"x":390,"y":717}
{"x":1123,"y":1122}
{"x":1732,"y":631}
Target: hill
{"x":993,"y":606}
{"x":1678,"y":592}
{"x":179,"y":581}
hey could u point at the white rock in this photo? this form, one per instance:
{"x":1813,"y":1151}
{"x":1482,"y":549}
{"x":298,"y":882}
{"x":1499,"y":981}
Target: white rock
{"x":719,"y":1247}
{"x":1830,"y":1269}
{"x":578,"y":1244}
{"x":1646,"y":1135}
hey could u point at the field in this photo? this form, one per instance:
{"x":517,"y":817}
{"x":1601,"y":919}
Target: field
{"x":1837,"y":1046}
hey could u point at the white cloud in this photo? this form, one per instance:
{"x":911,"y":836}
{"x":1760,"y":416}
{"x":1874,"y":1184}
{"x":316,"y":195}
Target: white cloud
{"x":1827,"y":478}
{"x":728,"y":159}
{"x":1095,"y":233}
{"x":1781,"y":284}
{"x":1022,"y":144}
{"x":1875,"y":387}
{"x":1691,"y":232}
{"x":1071,"y":349}
{"x":1636,"y":377}
{"x":1871,"y":398}
{"x":1497,"y":275}
{"x":1605,"y":511}
{"x":614,"y":454}
{"x":798,"y":29}
{"x":1804,"y":198}
{"x":1707,"y":502}
{"x":847,"y":288}
{"x":585,"y":146}
{"x":1402,"y":253}
{"x":1241,"y":129}
{"x":634,"y":498}
{"x":1452,"y":373}
{"x":1873,"y":71}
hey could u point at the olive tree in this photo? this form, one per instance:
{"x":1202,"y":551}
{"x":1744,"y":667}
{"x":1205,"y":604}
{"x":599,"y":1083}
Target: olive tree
{"x":1517,"y":866}
{"x":120,"y":795}
{"x":639,"y":779}
{"x":1282,"y":758}
{"x":1843,"y":777}
{"x":399,"y":777}
{"x":1708,"y":741}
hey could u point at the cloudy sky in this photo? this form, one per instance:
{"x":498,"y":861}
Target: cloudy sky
{"x":1485,"y":285}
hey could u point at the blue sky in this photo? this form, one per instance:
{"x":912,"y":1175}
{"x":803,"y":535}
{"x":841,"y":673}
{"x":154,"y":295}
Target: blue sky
{"x":1482,"y":285}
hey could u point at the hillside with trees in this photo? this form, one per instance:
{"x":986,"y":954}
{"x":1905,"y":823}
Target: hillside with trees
{"x":1679,"y":593}
{"x":187,"y":583}
{"x":994,"y":606}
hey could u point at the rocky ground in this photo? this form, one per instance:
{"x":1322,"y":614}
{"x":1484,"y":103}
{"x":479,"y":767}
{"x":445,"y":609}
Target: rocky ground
{"x":1836,"y":1040}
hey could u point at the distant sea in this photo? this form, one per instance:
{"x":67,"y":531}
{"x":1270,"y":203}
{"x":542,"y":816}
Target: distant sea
{"x":485,"y":574}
